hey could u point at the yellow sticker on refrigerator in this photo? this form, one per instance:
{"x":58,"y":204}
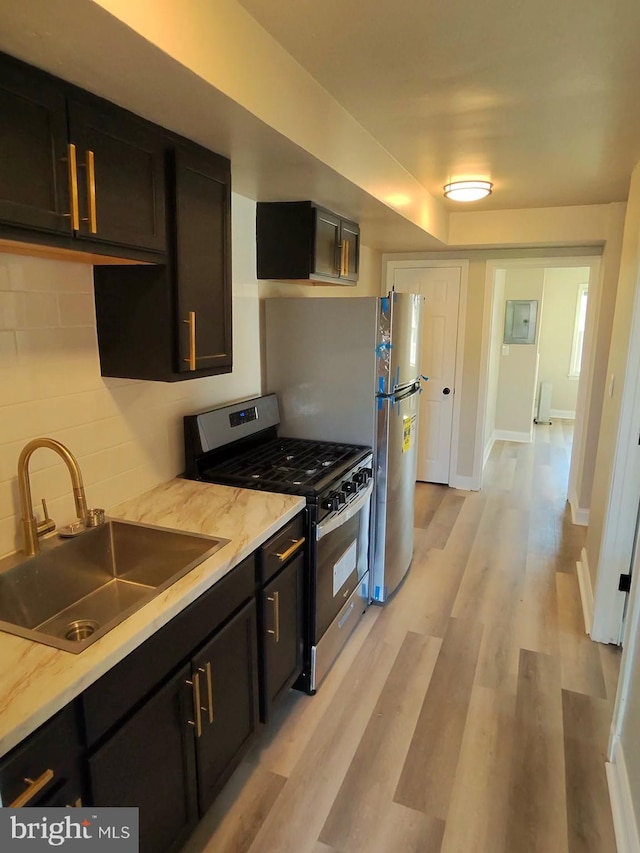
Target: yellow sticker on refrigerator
{"x":408,"y":423}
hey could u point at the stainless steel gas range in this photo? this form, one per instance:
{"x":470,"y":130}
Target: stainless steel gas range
{"x":238,"y":445}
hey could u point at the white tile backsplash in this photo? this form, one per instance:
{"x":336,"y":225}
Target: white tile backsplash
{"x":76,"y":309}
{"x":126,"y":435}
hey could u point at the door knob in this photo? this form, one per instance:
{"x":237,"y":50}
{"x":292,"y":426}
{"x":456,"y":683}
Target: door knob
{"x":446,"y":390}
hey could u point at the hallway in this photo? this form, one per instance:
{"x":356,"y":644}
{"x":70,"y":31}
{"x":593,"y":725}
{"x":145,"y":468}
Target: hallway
{"x":470,"y":714}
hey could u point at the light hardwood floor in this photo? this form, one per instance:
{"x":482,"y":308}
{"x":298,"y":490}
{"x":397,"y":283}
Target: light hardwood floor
{"x":469,"y":714}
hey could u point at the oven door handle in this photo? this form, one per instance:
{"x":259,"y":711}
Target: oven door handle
{"x":345,"y":514}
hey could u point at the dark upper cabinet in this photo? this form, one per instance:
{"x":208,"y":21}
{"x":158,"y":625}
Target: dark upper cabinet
{"x":301,"y":241}
{"x":326,"y":230}
{"x":202,"y":259}
{"x":173,"y":322}
{"x":76,"y":168}
{"x":120,"y":168}
{"x":350,"y":250}
{"x":34,"y":176}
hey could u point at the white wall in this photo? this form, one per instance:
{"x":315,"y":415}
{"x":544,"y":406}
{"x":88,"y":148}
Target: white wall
{"x":561,"y":288}
{"x":127,"y":435}
{"x":602,"y":299}
{"x":519,"y":362}
{"x":616,"y":482}
{"x":495,"y":350}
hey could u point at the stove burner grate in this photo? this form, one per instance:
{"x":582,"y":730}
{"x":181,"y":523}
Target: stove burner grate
{"x":294,"y":464}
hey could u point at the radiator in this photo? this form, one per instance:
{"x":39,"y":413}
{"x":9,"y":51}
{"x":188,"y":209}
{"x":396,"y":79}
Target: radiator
{"x":544,"y":404}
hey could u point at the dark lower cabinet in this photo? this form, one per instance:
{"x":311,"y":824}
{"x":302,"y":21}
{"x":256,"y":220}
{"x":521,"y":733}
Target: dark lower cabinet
{"x":149,"y":763}
{"x":282,"y":639}
{"x":165,"y":728}
{"x":281,"y":566}
{"x":228,"y":690}
{"x":175,"y":752}
{"x":46,"y":768}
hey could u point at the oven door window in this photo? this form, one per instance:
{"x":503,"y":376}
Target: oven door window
{"x":339,"y":569}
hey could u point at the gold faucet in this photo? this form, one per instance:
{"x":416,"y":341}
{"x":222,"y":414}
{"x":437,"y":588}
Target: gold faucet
{"x":31,"y":529}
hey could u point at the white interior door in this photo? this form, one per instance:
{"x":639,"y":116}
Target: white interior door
{"x":441,"y":288}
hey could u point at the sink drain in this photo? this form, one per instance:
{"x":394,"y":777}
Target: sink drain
{"x":81,"y":629}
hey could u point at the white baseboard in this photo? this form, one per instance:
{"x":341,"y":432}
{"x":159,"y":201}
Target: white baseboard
{"x":624,"y":820}
{"x":563,"y":414}
{"x":579,"y":515}
{"x":512,"y":435}
{"x":467,"y":484}
{"x":487,"y":450}
{"x":586,"y":590}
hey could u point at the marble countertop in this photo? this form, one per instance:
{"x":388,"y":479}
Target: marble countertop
{"x":36,"y":680}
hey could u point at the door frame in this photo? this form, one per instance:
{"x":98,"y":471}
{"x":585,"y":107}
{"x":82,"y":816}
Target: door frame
{"x":588,"y":351}
{"x":456,"y":481}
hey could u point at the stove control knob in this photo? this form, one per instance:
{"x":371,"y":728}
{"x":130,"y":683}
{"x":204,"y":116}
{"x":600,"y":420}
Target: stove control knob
{"x":349,"y":486}
{"x":368,"y":473}
{"x":331,"y":502}
{"x":361,"y":477}
{"x":342,"y":498}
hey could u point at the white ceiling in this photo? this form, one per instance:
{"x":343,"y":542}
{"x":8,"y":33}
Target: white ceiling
{"x":540,"y":97}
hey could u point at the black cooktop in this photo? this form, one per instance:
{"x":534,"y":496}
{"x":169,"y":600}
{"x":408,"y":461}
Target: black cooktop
{"x":288,"y":465}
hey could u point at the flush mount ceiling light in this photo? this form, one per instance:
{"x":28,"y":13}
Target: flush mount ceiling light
{"x":467,"y":190}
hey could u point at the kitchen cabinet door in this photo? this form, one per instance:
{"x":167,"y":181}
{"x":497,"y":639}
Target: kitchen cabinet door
{"x":226,"y":669}
{"x":171,"y":323}
{"x":349,"y":250}
{"x":301,"y":241}
{"x":34,"y":181}
{"x":149,"y":763}
{"x":327,"y":243}
{"x":202,"y":260}
{"x":120,"y":175}
{"x":282,"y":638}
{"x":45,"y":769}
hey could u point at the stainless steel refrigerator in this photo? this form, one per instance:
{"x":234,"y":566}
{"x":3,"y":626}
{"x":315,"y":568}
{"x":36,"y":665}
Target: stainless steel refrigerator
{"x":347,"y":369}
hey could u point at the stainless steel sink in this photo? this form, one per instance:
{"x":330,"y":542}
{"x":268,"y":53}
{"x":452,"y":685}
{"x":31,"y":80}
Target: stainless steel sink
{"x":74,"y":593}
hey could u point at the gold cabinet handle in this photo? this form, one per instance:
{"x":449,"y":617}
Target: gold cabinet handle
{"x":207,"y":671}
{"x":35,"y":786}
{"x":191,"y":322}
{"x":72,"y":163}
{"x":92,"y":219}
{"x":346,"y":258}
{"x":295,"y":546}
{"x":197,"y":708}
{"x":275,"y":598}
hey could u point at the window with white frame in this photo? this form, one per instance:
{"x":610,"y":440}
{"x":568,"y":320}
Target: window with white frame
{"x":578,"y":332}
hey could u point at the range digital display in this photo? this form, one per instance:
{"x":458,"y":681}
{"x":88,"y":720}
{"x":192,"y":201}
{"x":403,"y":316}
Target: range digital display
{"x":244,"y":416}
